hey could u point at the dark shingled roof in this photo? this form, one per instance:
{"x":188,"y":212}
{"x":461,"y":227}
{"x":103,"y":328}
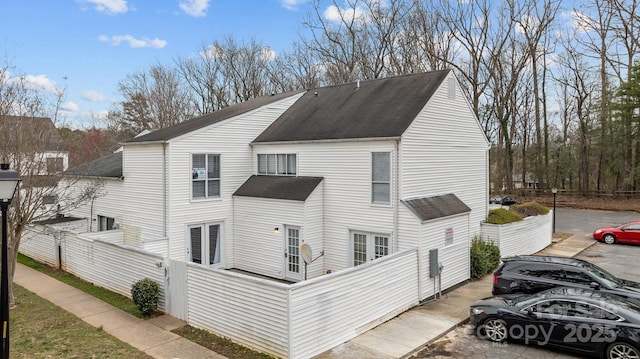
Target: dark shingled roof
{"x":279,"y":187}
{"x":197,"y":123}
{"x":427,"y":208}
{"x":375,"y":109}
{"x":107,"y":166}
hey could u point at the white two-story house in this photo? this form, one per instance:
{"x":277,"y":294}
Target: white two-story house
{"x":356,"y":172}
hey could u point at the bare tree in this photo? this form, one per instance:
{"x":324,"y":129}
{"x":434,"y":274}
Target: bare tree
{"x":153,"y":99}
{"x":35,"y":151}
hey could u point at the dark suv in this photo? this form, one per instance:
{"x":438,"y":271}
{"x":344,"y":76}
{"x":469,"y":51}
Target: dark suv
{"x":532,"y":274}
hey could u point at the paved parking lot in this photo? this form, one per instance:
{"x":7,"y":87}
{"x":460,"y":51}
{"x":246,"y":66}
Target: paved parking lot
{"x":620,"y":260}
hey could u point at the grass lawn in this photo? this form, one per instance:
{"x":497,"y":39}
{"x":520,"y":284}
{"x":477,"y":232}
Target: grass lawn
{"x":206,"y":339}
{"x":41,"y":329}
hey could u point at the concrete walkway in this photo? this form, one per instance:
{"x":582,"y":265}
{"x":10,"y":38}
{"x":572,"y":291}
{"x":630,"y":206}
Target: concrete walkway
{"x":411,"y":331}
{"x":152,"y":336}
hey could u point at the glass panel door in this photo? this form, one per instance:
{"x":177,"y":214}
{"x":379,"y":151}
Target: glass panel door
{"x":293,"y":253}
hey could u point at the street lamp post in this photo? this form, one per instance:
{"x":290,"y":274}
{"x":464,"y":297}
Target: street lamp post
{"x":9,"y":180}
{"x":554,"y":190}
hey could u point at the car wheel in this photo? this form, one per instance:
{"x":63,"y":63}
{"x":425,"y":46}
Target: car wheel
{"x":609,"y":239}
{"x":495,"y":329}
{"x":620,"y":350}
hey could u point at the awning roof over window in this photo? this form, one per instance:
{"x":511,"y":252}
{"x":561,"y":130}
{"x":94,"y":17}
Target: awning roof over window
{"x":279,"y":187}
{"x":433,"y":207}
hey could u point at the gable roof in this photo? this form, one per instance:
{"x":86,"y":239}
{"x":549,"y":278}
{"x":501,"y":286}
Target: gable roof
{"x":433,"y":207}
{"x":167,"y":133}
{"x":107,"y":166}
{"x":40,"y":129}
{"x":279,"y":187}
{"x":380,"y":108}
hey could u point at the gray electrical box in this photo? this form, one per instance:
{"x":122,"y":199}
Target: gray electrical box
{"x":434,"y":269}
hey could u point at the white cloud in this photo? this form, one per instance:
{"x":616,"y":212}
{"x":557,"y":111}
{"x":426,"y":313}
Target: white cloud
{"x":111,"y":7}
{"x":292,"y":4}
{"x":581,"y":22}
{"x":39,"y":82}
{"x":115,"y":40}
{"x":93,"y":96}
{"x":335,"y":14}
{"x":70,"y":106}
{"x":268,"y":54}
{"x":194,"y":7}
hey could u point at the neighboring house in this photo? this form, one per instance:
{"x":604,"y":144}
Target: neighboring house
{"x":356,"y":171}
{"x":36,"y":137}
{"x":43,"y":156}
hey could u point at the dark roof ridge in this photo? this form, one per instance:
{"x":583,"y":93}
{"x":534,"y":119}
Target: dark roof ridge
{"x":196,"y":123}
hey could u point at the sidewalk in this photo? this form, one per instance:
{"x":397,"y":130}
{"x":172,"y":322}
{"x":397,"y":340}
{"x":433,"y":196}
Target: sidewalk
{"x":411,"y":331}
{"x":151,"y":336}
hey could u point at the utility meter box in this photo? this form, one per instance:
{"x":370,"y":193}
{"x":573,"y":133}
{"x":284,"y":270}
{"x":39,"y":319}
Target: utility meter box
{"x":434,"y":268}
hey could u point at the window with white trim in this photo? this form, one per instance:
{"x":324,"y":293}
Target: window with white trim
{"x":381,"y":177}
{"x":204,"y":244}
{"x":277,"y":164}
{"x":368,"y":246}
{"x":105,"y":223}
{"x":205,"y":176}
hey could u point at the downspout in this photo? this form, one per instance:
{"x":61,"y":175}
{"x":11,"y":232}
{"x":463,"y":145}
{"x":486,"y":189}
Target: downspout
{"x":397,"y":195}
{"x":164,"y":189}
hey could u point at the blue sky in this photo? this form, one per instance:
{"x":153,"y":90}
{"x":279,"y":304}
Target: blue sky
{"x":94,"y":44}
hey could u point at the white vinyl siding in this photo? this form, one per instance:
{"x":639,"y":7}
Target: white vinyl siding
{"x":431,"y":166}
{"x":346,"y":196}
{"x":230,"y":139}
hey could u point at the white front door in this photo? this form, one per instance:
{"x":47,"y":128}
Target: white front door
{"x":293,"y":262}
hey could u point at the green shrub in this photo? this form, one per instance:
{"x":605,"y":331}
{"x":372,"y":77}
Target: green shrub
{"x":485,"y":257}
{"x":502,"y":216}
{"x":529,"y":209}
{"x":145,"y":293}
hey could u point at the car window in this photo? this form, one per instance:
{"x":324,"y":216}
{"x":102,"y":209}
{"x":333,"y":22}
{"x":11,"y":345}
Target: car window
{"x":547,"y":271}
{"x":518,"y":267}
{"x":632,"y":227}
{"x":551,"y":307}
{"x":585,"y":310}
{"x":608,"y":279}
{"x":577,"y":276}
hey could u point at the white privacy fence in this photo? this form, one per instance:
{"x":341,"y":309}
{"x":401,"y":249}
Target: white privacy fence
{"x":528,"y":236}
{"x":286,"y":320}
{"x":106,"y":264}
{"x":307,"y":318}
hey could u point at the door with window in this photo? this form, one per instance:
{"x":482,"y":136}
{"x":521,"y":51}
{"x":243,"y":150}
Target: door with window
{"x":293,"y":262}
{"x":205,"y":241}
{"x":368,"y":246}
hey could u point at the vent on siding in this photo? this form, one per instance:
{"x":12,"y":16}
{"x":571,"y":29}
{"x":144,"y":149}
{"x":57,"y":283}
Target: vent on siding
{"x":451,"y":84}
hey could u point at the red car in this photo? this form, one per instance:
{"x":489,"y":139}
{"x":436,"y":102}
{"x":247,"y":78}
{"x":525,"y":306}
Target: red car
{"x":626,"y":233}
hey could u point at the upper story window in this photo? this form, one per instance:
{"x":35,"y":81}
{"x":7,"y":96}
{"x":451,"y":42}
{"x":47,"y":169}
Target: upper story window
{"x":55,"y":165}
{"x":205,"y":176}
{"x":381,"y":177}
{"x":277,"y":164}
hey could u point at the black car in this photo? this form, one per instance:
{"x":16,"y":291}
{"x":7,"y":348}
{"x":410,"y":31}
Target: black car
{"x":506,"y":201}
{"x":584,"y":321}
{"x":532,"y":274}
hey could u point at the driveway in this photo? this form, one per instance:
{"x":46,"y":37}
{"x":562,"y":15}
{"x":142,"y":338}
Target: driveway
{"x":620,"y":260}
{"x":582,"y":222}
